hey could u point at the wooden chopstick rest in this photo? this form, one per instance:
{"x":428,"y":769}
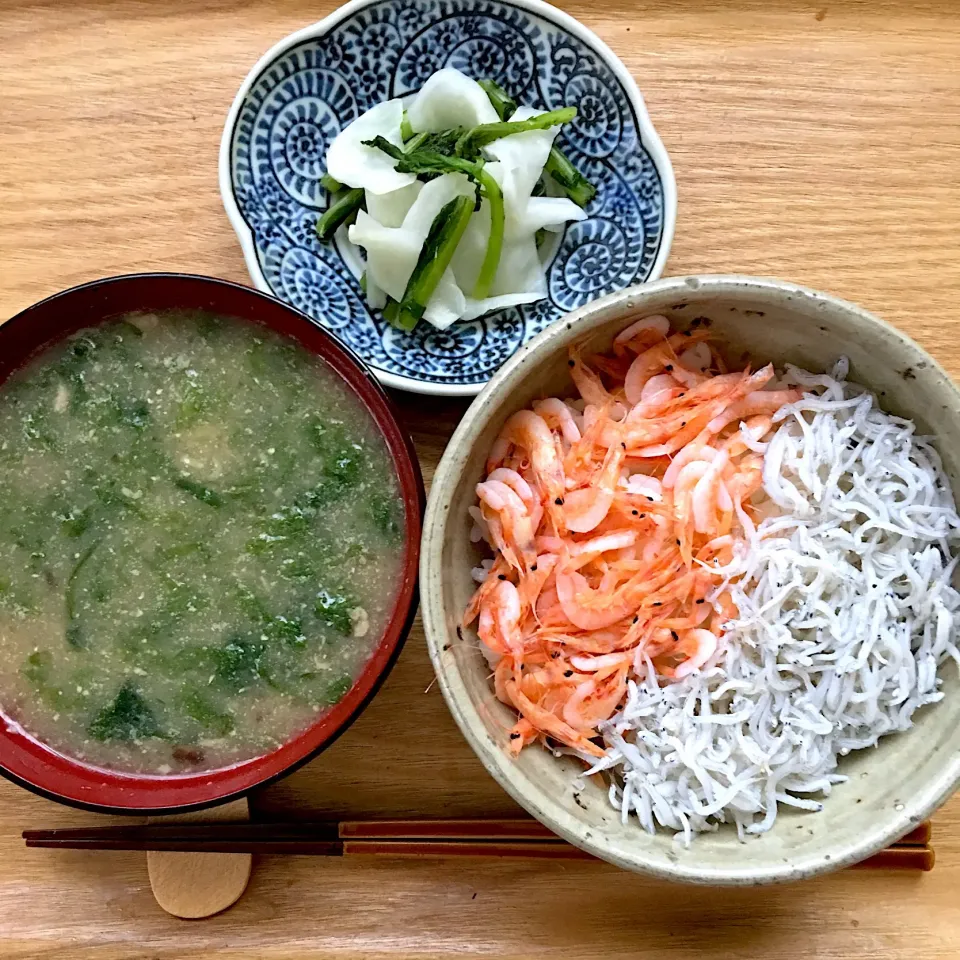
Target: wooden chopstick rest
{"x":196,"y":885}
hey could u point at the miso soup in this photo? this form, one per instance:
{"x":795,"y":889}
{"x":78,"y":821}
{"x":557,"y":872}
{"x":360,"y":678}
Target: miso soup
{"x":201,"y":535}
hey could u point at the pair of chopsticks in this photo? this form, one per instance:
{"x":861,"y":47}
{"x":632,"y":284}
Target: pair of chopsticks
{"x":522,"y":838}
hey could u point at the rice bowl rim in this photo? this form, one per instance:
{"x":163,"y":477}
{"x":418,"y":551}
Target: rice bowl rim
{"x":494,"y":403}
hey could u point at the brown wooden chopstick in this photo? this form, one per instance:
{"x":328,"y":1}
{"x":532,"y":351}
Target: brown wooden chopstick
{"x":299,"y":832}
{"x":521,"y":828}
{"x":263,"y":831}
{"x":919,"y":836}
{"x":523,"y":838}
{"x":509,"y":838}
{"x":900,"y":858}
{"x":893,"y":858}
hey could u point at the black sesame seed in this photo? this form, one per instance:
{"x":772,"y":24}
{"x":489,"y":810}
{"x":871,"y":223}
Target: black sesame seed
{"x":650,"y":499}
{"x":533,"y":567}
{"x":678,"y":543}
{"x":501,"y":576}
{"x":643,"y":516}
{"x":636,"y":619}
{"x":680,"y":395}
{"x":673,"y":633}
{"x":571,"y":363}
{"x":636,"y":513}
{"x":622,"y":444}
{"x":701,"y":600}
{"x":559,"y":501}
{"x":683,"y":423}
{"x":658,"y":603}
{"x":568,"y":673}
{"x":669,"y":368}
{"x":514,"y":736}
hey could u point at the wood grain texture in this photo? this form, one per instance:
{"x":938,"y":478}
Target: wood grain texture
{"x":196,"y":885}
{"x":813,"y":141}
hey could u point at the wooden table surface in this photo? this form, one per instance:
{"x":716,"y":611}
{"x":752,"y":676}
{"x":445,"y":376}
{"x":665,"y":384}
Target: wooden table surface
{"x":813,"y":141}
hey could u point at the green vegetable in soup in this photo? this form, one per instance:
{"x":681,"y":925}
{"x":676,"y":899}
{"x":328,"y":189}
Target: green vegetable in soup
{"x":251,"y":605}
{"x":132,"y":413}
{"x":239,"y":663}
{"x":342,"y":462}
{"x":178,"y":550}
{"x":290,"y":631}
{"x":128,"y":717}
{"x":75,"y":635}
{"x":38,"y":669}
{"x":206,"y":714}
{"x":175,"y":500}
{"x":196,"y":405}
{"x":334,"y":610}
{"x":74,"y":522}
{"x":338,"y":689}
{"x":385,"y":515}
{"x":199,"y":490}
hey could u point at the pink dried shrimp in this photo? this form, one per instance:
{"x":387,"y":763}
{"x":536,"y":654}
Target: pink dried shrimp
{"x":607,"y":516}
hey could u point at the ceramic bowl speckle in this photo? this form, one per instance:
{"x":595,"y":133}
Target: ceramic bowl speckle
{"x":891,"y":788}
{"x":315,"y":82}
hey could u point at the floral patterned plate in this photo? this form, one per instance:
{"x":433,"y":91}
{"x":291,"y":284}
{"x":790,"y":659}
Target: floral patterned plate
{"x":318,"y":80}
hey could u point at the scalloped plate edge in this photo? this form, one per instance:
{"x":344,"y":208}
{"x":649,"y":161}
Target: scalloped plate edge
{"x":648,"y":137}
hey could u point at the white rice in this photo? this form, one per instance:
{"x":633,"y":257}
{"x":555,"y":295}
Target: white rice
{"x":846,"y":612}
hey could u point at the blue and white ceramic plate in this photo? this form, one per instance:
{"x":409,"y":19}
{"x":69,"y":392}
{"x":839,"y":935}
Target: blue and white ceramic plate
{"x":315,"y":82}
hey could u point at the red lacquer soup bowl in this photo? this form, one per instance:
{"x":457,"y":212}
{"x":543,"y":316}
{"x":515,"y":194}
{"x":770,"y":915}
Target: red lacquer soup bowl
{"x":35,"y":765}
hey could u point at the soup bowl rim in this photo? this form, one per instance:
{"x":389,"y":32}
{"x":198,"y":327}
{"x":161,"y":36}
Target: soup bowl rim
{"x":30,"y":763}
